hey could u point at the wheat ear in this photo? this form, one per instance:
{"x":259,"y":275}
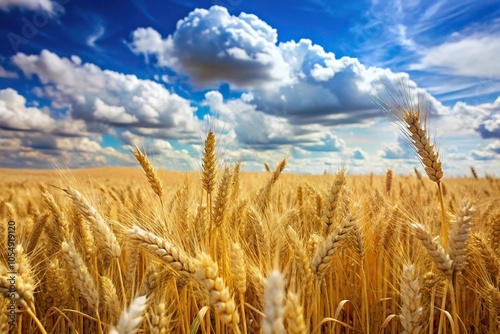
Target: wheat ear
{"x":274,"y":308}
{"x":83,"y":280}
{"x":149,"y":171}
{"x":221,"y":200}
{"x":333,"y":199}
{"x":218,"y":293}
{"x":435,"y":249}
{"x":160,"y":320}
{"x":175,"y":258}
{"x":324,"y":254}
{"x":102,"y":231}
{"x":37,"y":231}
{"x":131,"y":318}
{"x":24,"y":283}
{"x":265,"y":192}
{"x":295,"y":315}
{"x":411,"y":297}
{"x":460,"y":234}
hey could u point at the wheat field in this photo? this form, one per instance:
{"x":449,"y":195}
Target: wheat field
{"x":112,"y":251}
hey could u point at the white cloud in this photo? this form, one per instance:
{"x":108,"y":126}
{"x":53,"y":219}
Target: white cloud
{"x":94,"y":37}
{"x":7,"y":74}
{"x":212,"y":46}
{"x":15,"y":115}
{"x":483,"y":119}
{"x":296,"y":81}
{"x":42,"y":5}
{"x":108,"y":113}
{"x":95,"y":95}
{"x":483,"y":155}
{"x":468,"y":56}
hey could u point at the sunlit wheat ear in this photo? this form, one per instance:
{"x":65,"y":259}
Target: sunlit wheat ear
{"x":59,"y":218}
{"x":460,"y":234}
{"x":80,"y":274}
{"x":209,"y":163}
{"x":150,"y":172}
{"x":301,"y":257}
{"x":131,"y":318}
{"x":274,"y":304}
{"x":412,"y":123}
{"x":221,"y":200}
{"x":325,"y":252}
{"x":23,"y":293}
{"x":109,"y":298}
{"x":174,"y":257}
{"x":207,"y":274}
{"x":295,"y":315}
{"x":102,"y":231}
{"x":436,"y":251}
{"x":411,"y":297}
{"x":333,"y":199}
{"x":238,"y":268}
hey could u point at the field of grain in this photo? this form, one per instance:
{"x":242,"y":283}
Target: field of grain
{"x":113,"y":251}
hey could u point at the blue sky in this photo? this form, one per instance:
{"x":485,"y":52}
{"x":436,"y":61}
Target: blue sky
{"x":80,"y":81}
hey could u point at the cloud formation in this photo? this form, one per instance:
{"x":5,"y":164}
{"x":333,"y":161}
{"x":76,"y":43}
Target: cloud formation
{"x":296,"y":81}
{"x":102,"y":96}
{"x":213,"y":46}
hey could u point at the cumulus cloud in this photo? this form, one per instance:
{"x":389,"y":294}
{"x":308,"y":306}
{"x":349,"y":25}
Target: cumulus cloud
{"x":213,"y":46}
{"x":15,"y":115}
{"x":483,"y":118}
{"x":48,"y":6}
{"x":296,"y":81}
{"x":259,"y":130}
{"x":95,"y":95}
